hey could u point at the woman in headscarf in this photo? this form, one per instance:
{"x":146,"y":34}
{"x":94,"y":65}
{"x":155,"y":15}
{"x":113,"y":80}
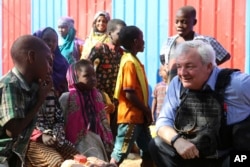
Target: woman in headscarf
{"x":70,"y":46}
{"x":60,"y":64}
{"x":86,"y":124}
{"x":98,"y":33}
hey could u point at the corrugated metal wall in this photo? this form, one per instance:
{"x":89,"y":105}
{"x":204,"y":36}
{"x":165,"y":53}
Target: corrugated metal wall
{"x":152,"y":18}
{"x":247,"y":63}
{"x":83,"y":12}
{"x":224,"y":22}
{"x":46,"y":13}
{"x":15,"y":22}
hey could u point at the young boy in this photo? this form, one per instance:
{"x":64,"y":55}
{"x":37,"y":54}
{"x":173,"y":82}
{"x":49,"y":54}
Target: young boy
{"x":159,"y":93}
{"x":23,"y":91}
{"x":106,"y":59}
{"x":185,"y":20}
{"x":131,"y":90}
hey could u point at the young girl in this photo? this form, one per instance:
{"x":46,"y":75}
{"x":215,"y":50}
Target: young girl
{"x":97,"y":34}
{"x":86,"y":122}
{"x":70,"y":45}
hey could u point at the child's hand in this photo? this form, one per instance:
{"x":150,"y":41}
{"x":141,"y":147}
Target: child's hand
{"x":109,"y":108}
{"x":48,"y":140}
{"x":44,"y":88}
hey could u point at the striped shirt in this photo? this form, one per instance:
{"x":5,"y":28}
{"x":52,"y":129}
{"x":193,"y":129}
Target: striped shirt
{"x":221,"y":53}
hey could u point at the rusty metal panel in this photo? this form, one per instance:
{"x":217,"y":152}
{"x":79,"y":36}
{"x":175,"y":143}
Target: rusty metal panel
{"x":224,"y":22}
{"x":83,"y":12}
{"x":15,"y":22}
{"x":247,"y":62}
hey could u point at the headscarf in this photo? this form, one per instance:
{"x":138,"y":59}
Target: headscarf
{"x":85,"y":112}
{"x":95,"y":36}
{"x":67,"y":44}
{"x":71,"y":77}
{"x":60,"y":64}
{"x":106,"y":15}
{"x":66,"y":21}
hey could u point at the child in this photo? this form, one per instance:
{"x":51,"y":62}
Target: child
{"x":185,"y":20}
{"x":48,"y":145}
{"x":70,"y":46}
{"x":106,"y":59}
{"x":159,"y":93}
{"x":23,"y":91}
{"x":131,"y":90}
{"x":98,"y":33}
{"x":86,"y":123}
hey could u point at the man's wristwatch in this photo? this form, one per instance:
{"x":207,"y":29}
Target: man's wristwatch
{"x":173,"y":140}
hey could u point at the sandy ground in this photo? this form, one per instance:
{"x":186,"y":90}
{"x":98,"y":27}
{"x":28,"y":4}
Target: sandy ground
{"x":133,"y":160}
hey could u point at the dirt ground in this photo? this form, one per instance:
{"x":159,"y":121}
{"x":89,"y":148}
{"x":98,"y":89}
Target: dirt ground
{"x":133,"y":160}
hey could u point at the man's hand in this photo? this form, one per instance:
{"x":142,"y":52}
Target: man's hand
{"x":186,"y":149}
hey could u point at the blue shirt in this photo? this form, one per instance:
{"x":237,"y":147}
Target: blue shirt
{"x":237,"y":98}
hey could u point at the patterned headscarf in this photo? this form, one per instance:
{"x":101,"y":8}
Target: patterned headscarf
{"x":86,"y":112}
{"x":60,"y":64}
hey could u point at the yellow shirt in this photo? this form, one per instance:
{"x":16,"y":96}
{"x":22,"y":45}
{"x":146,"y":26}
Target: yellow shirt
{"x":129,"y":80}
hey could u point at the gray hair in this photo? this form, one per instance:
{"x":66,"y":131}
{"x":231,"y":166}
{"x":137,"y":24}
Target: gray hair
{"x":204,"y":49}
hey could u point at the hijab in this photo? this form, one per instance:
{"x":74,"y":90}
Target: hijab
{"x":60,"y":64}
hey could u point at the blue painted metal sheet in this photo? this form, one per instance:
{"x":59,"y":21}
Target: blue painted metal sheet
{"x":46,"y":13}
{"x":152,"y":18}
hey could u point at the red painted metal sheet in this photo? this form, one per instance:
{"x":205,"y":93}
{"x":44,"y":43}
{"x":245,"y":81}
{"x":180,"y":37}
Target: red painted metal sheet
{"x":221,"y":19}
{"x":83,"y":12}
{"x":16,"y":22}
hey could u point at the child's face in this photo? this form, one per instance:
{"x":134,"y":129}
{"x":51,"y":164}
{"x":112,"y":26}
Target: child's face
{"x":140,"y":43}
{"x":184,"y":23}
{"x":101,"y":24}
{"x":86,"y":77}
{"x":163,"y":72}
{"x":114,"y":36}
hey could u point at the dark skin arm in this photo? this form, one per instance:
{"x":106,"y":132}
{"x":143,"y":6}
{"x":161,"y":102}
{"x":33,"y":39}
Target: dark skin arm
{"x":15,"y":126}
{"x":131,"y":96}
